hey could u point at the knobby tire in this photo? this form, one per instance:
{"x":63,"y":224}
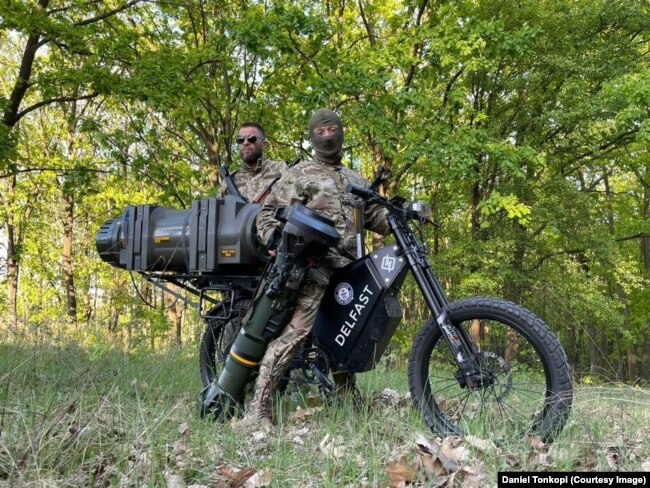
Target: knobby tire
{"x":531,"y":390}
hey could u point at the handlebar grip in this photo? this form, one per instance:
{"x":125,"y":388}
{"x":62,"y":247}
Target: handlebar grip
{"x":360,"y":192}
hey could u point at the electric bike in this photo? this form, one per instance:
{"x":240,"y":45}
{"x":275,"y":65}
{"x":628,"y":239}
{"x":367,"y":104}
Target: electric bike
{"x":480,"y":366}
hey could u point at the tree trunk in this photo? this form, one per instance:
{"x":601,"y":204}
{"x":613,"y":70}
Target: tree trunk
{"x":10,"y":116}
{"x":645,"y":358}
{"x":68,"y":268}
{"x":572,"y":349}
{"x":13,"y":263}
{"x":174,"y":312}
{"x":13,"y":270}
{"x":620,"y":292}
{"x":474,"y":200}
{"x":645,"y":256}
{"x":632,"y":364}
{"x":115,"y":317}
{"x":645,"y":240}
{"x":592,"y":347}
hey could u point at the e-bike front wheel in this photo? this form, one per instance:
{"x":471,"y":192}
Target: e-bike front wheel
{"x":523,"y":384}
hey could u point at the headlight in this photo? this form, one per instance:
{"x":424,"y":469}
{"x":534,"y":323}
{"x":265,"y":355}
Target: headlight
{"x":421,"y":209}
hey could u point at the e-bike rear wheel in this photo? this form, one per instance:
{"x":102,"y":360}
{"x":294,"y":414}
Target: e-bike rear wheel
{"x":523,"y":386}
{"x":218,"y":337}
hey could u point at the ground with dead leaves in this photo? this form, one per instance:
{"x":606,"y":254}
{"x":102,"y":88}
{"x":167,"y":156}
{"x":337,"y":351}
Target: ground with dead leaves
{"x":72,"y":417}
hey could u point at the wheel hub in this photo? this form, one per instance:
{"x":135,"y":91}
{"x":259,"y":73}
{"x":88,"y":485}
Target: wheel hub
{"x":490,"y":368}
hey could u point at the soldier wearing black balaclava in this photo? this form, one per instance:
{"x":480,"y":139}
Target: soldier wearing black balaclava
{"x":319,"y":184}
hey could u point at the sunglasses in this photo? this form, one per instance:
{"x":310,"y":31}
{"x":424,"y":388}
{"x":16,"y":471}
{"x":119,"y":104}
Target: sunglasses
{"x":252,"y":139}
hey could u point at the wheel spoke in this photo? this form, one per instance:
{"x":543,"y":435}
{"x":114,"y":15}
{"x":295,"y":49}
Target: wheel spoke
{"x":522,"y":372}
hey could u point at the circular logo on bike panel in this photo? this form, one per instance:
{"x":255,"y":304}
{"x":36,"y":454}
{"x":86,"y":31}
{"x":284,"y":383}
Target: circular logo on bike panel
{"x":343,"y":294}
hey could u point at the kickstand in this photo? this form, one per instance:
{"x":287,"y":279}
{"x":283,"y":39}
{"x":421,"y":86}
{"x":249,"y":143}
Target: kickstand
{"x":327,"y":386}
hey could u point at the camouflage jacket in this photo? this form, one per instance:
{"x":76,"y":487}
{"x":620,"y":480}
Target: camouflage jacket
{"x":321,"y":187}
{"x":251,"y":183}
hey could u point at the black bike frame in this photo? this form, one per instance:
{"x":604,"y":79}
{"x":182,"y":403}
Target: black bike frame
{"x":459,"y":343}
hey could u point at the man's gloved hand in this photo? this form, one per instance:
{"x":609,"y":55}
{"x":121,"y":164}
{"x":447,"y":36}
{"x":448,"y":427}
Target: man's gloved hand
{"x":273,"y":241}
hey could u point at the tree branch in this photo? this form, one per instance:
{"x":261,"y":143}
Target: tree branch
{"x":68,"y":7}
{"x":34,"y":42}
{"x":542,"y":259}
{"x":62,"y":171}
{"x":105,"y":15}
{"x":49,"y":101}
{"x":450,"y":85}
{"x":607,"y":145}
{"x":199,"y":65}
{"x":304,"y":55}
{"x":417,"y":49}
{"x":403,"y":170}
{"x":640,"y":235}
{"x":369,"y":28}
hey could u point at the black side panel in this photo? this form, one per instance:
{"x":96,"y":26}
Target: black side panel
{"x":360,"y":312}
{"x":353,"y":293}
{"x":378,"y":332}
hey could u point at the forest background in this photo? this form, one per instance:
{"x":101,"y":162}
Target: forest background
{"x":525,"y":124}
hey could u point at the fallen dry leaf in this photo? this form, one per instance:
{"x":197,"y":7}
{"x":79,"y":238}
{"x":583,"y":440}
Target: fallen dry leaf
{"x":536,"y":442}
{"x":613,"y":458}
{"x":235,"y":477}
{"x":480,"y":444}
{"x":538,"y":459}
{"x":175,"y":481}
{"x":302,"y":431}
{"x":297,"y":440}
{"x":139,"y":464}
{"x":430,"y":466}
{"x":180,"y":447}
{"x":472,"y":479}
{"x":426,"y":446}
{"x":400,"y":472}
{"x":452,"y":452}
{"x":511,"y":460}
{"x":258,"y":436}
{"x":332,"y":447}
{"x":394,"y":398}
{"x":303,"y":413}
{"x":259,"y":479}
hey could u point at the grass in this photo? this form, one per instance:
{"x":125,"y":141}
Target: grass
{"x":80,"y":417}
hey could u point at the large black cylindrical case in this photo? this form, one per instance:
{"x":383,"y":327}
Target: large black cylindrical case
{"x":213,"y":236}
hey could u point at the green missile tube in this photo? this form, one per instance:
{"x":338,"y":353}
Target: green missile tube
{"x":227,"y":392}
{"x":248,"y":349}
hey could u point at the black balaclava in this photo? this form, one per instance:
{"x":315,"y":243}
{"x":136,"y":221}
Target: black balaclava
{"x":328,"y":149}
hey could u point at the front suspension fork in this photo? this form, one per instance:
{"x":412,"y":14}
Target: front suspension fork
{"x":459,"y":342}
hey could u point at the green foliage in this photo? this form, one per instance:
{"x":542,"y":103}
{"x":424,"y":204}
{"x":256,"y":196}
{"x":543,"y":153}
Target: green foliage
{"x":99,"y":416}
{"x":524,"y":125}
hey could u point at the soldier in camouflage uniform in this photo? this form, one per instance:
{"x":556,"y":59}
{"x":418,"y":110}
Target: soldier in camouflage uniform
{"x":256,"y":172}
{"x":319,"y":184}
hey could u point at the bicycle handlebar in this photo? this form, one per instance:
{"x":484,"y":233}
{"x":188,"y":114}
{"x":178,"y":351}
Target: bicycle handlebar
{"x":364,"y":193}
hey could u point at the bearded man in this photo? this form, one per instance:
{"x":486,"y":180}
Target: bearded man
{"x":256,"y":172}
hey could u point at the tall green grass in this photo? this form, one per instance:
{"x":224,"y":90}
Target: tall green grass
{"x":81,"y":417}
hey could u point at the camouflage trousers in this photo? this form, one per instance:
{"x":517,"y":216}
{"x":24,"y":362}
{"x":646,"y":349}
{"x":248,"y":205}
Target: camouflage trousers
{"x":282,"y":349}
